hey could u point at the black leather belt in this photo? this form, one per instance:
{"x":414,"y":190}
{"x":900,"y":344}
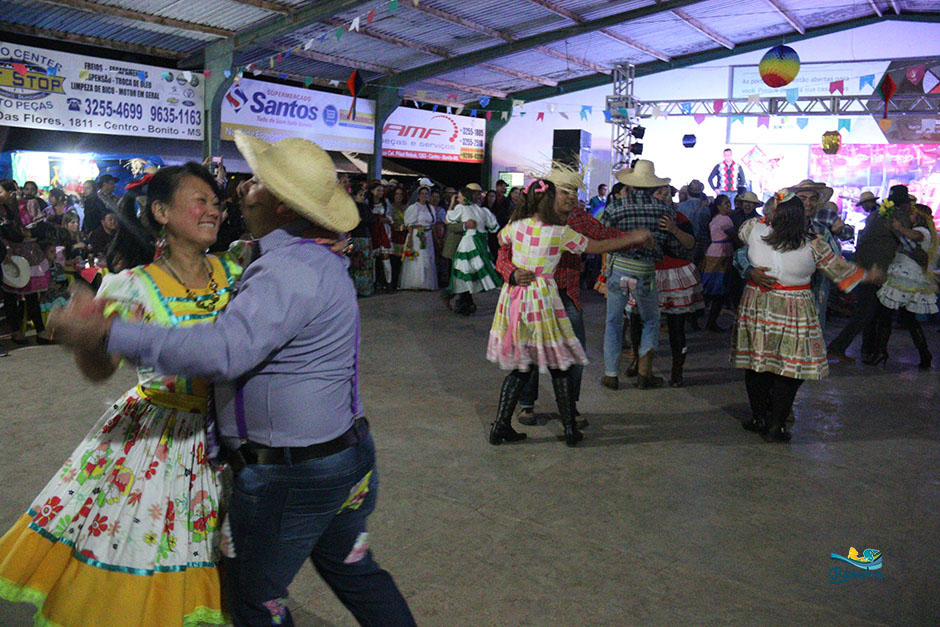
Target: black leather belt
{"x":254,"y":453}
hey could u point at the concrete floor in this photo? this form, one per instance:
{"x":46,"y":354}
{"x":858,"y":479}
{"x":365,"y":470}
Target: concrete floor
{"x":668,"y":513}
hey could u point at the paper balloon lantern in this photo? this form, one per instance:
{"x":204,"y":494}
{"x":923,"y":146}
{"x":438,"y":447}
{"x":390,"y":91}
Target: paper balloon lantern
{"x":831,"y":142}
{"x":779,"y":66}
{"x":689,"y":141}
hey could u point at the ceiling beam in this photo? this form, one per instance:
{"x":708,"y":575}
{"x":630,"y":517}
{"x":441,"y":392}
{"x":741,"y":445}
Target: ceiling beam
{"x":715,"y":54}
{"x":138,"y":16}
{"x":874,"y":5}
{"x":577,"y":19}
{"x":533,"y":41}
{"x":274,"y":7}
{"x":343,"y":61}
{"x":460,"y":21}
{"x":113,"y":44}
{"x":270,"y":29}
{"x":656,"y":54}
{"x":702,"y":28}
{"x":894,"y":5}
{"x":526,"y":77}
{"x":572,"y":59}
{"x":482,"y":91}
{"x":788,"y":16}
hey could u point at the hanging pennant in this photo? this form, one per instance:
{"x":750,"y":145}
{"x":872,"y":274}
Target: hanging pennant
{"x":334,"y":83}
{"x":837,"y":86}
{"x":540,"y":117}
{"x":484,"y":101}
{"x":309,"y":44}
{"x":793,"y":95}
{"x":802,"y":122}
{"x":737,"y":118}
{"x":699,"y":118}
{"x":435,"y":108}
{"x":686,"y":108}
{"x":459,"y":110}
{"x":763,"y":120}
{"x":657,"y":112}
{"x":915,"y":75}
{"x":20,"y":69}
{"x":489,"y":115}
{"x":552,"y":107}
{"x":82,"y":74}
{"x":517,"y":104}
{"x":271,"y":62}
{"x":354,"y":83}
{"x":885,"y":125}
{"x":504,"y":115}
{"x":142,"y":76}
{"x":282,"y":75}
{"x":563,"y":114}
{"x":753,"y":99}
{"x":586,"y":110}
{"x":307,"y":81}
{"x":422,"y":94}
{"x":473,"y":113}
{"x":354,"y":26}
{"x":370,"y":17}
{"x":845,"y":124}
{"x":227,"y":73}
{"x":393,"y":6}
{"x":719,"y":105}
{"x":607,"y":115}
{"x":868,"y":79}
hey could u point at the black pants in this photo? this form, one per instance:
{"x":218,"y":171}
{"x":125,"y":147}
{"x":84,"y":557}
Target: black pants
{"x":16,"y":308}
{"x":716,"y":303}
{"x":862,"y":321}
{"x":771,"y":395}
{"x":884,"y":317}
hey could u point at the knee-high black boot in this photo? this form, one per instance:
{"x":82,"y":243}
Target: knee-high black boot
{"x":636,"y":336}
{"x":676,"y":325}
{"x":502,"y":430}
{"x":920,"y":342}
{"x":565,"y":402}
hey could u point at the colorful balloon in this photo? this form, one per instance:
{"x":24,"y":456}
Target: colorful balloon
{"x":779,"y":66}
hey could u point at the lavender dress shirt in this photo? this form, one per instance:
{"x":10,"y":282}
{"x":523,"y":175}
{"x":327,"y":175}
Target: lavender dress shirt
{"x":288,"y":340}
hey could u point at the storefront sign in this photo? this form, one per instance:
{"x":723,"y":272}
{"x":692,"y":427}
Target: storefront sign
{"x":272,"y":112}
{"x":67,"y":92}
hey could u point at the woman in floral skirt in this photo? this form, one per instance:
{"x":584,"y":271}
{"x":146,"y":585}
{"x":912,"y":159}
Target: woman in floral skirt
{"x":128,"y":530}
{"x":530,"y":327}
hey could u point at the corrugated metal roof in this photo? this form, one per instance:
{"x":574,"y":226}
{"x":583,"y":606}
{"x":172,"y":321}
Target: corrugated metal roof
{"x":414,"y":36}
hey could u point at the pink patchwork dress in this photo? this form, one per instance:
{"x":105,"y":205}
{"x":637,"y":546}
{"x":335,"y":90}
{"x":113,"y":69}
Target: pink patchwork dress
{"x":530,"y":327}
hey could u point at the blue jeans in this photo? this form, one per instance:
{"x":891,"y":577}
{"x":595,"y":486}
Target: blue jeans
{"x":648,"y":307}
{"x":530,"y":393}
{"x":283,"y":514}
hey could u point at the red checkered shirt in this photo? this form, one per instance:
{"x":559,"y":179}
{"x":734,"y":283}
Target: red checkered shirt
{"x":568,"y":272}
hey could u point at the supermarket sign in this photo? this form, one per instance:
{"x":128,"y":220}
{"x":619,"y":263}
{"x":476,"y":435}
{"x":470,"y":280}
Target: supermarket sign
{"x":272,"y":112}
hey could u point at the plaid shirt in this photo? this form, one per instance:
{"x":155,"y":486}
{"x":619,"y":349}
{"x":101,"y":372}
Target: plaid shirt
{"x":568,"y":271}
{"x":640,"y":210}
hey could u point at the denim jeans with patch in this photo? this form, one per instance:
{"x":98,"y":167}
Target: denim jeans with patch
{"x":283,"y":514}
{"x":647,"y":303}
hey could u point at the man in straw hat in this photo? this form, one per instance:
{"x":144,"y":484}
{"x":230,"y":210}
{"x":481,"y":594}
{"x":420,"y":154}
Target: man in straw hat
{"x":568,"y":180}
{"x":284,"y":359}
{"x":634,"y":271}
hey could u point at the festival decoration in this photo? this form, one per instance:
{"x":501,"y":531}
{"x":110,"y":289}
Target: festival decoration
{"x":779,"y":66}
{"x":355,"y":84}
{"x":689,"y":141}
{"x":831,"y":142}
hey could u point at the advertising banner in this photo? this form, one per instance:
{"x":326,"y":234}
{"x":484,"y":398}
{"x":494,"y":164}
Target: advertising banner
{"x":813,"y":79}
{"x":59,"y":91}
{"x":272,"y":112}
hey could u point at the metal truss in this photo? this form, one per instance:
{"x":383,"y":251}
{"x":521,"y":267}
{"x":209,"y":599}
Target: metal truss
{"x":622,"y":102}
{"x":842,"y":106}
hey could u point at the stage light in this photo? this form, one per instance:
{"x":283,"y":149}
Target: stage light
{"x":636,"y":149}
{"x":638,"y":132}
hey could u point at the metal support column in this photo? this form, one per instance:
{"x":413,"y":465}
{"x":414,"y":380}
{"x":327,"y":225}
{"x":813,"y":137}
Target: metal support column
{"x":217,"y":85}
{"x":621,"y":108}
{"x":386,"y":101}
{"x":494,"y":125}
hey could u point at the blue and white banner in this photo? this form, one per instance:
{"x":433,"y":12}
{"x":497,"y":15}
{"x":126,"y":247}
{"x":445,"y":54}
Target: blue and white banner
{"x":68,"y":92}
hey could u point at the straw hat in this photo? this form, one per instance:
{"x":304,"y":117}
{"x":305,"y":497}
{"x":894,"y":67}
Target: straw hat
{"x":750,"y":197}
{"x":474,"y":186}
{"x":16,"y":271}
{"x":303,"y":176}
{"x":643,"y":174}
{"x":866,"y":196}
{"x":567,"y":177}
{"x":824,"y":191}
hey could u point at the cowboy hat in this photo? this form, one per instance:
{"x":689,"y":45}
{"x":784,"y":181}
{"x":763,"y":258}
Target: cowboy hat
{"x":866,"y":196}
{"x":425,"y":182}
{"x":643,"y":174}
{"x":749,"y":197}
{"x":474,"y":186}
{"x":696,"y":186}
{"x":302,"y":175}
{"x":824,"y":191}
{"x":567,"y":177}
{"x":16,"y":273}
